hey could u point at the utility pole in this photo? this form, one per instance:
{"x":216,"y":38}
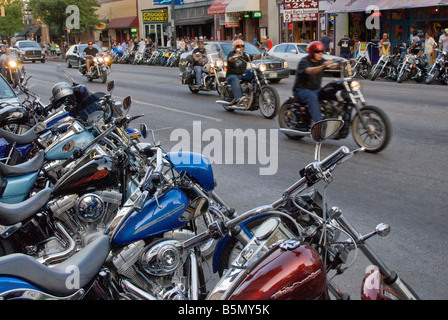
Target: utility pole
{"x":173,"y":23}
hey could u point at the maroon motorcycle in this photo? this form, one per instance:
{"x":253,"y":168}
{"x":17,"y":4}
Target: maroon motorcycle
{"x":287,"y":250}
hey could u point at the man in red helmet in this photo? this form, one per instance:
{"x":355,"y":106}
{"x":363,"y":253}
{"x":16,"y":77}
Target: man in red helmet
{"x":237,"y":61}
{"x":309,"y":78}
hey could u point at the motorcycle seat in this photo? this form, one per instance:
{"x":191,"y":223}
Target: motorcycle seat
{"x":56,"y":280}
{"x":31,"y":166}
{"x":20,"y":139}
{"x":11,"y":214}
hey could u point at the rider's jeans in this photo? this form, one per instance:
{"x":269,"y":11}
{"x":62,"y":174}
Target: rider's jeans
{"x":311,"y":99}
{"x":198,"y":71}
{"x":234,"y":81}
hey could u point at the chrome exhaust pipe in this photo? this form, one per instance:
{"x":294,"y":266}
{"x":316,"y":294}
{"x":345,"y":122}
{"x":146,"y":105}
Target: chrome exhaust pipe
{"x":136,"y":291}
{"x":63,"y":254}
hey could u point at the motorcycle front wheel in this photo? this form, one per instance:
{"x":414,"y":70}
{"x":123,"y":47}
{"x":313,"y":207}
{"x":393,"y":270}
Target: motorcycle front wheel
{"x":376,"y":72}
{"x":432,"y":76}
{"x":103,"y":77}
{"x":269,"y":105}
{"x":402,"y":76}
{"x":377,"y":132}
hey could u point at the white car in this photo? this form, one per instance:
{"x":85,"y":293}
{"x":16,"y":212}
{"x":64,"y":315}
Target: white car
{"x":294,"y":52}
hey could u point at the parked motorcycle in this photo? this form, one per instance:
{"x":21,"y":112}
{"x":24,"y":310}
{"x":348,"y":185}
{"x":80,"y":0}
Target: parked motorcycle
{"x":413,"y":67}
{"x":268,"y":263}
{"x":439,"y":70}
{"x":340,"y":99}
{"x":256,"y":91}
{"x":363,"y":65}
{"x":98,"y":70}
{"x":277,"y":255}
{"x":15,"y":72}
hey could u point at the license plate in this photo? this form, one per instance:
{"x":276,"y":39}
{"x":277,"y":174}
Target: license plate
{"x":272,"y":75}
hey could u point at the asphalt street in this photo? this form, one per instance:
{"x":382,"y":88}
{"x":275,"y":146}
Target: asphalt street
{"x":404,"y":186}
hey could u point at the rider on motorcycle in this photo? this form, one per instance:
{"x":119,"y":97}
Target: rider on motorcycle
{"x":89,"y":53}
{"x":4,"y":59}
{"x":309,"y":78}
{"x":199,"y":61}
{"x":236,"y":66}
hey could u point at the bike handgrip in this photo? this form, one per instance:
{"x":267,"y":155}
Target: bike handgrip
{"x":334,"y":158}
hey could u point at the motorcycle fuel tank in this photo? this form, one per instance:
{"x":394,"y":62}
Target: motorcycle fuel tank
{"x":91,"y":172}
{"x":196,"y":165}
{"x":155,"y":218}
{"x":292,"y":274}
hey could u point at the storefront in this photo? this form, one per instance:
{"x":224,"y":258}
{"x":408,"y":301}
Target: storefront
{"x":193,"y":21}
{"x":218,"y":11}
{"x":244,"y":16}
{"x":122,"y":28}
{"x":156,"y":25}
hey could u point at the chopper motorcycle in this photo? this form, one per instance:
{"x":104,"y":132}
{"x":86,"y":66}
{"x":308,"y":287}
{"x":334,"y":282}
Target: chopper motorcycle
{"x":275,"y":263}
{"x":340,"y":99}
{"x":15,"y":72}
{"x":362,"y":65}
{"x":256,"y":91}
{"x":98,"y":69}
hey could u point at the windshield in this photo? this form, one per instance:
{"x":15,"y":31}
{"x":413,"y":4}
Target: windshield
{"x":27,"y":44}
{"x":84,"y":46}
{"x":5,"y":90}
{"x":248,"y":48}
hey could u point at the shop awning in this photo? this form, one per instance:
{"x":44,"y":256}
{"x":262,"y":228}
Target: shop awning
{"x":351,"y":5}
{"x":123,"y":23}
{"x":403,"y":4}
{"x":218,"y":7}
{"x":243,"y":6}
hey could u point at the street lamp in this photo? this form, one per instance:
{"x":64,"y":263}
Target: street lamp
{"x":279,"y":4}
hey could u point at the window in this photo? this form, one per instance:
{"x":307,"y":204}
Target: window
{"x":281,"y":48}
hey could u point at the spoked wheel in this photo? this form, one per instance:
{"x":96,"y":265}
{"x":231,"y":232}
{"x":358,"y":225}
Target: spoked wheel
{"x":269,"y":106}
{"x":376,"y":134}
{"x":288,"y":118}
{"x":434,"y":73}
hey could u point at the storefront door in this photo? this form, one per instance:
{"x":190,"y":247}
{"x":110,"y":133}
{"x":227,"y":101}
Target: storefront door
{"x":155,"y":31}
{"x":399,"y":31}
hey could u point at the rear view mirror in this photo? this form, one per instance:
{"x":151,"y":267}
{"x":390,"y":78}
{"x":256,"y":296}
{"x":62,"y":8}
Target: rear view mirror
{"x":127,"y":103}
{"x":110,"y":86}
{"x":325,"y":129}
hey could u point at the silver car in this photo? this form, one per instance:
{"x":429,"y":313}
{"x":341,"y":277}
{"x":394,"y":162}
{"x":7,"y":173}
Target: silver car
{"x":7,"y":94}
{"x":294,"y":52}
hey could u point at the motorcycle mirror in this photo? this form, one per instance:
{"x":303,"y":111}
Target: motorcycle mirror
{"x":110,"y":86}
{"x":144,"y":130}
{"x":127,"y":103}
{"x":325,"y":129}
{"x":382,"y":229}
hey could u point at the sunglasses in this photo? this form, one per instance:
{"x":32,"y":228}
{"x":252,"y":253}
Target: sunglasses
{"x":240,"y":46}
{"x":319,"y":51}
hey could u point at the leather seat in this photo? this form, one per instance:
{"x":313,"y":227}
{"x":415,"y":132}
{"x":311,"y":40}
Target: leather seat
{"x":31,"y":166}
{"x":56,"y":280}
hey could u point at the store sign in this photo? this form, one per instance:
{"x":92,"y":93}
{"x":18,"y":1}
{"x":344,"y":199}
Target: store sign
{"x":232,"y":21}
{"x":167,"y":2}
{"x":257,"y":14}
{"x":301,"y":10}
{"x":155,"y":16}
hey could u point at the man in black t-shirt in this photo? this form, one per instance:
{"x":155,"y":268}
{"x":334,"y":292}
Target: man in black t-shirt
{"x":346,"y":45}
{"x":199,"y":61}
{"x":89,"y":53}
{"x":308,"y":81}
{"x":237,"y":61}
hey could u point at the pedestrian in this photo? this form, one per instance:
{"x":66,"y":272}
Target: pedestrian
{"x":443,"y":41}
{"x":346,"y":47}
{"x":385,"y":45}
{"x":326,"y":41}
{"x":53,"y":48}
{"x":430,"y":44}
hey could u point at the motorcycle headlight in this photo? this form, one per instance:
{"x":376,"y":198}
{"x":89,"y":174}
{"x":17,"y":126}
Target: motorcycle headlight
{"x":100,"y":60}
{"x":106,"y":59}
{"x":212,"y":65}
{"x":263,"y":67}
{"x":219,"y":63}
{"x":12,"y":64}
{"x":355,"y":85}
{"x":95,"y":59}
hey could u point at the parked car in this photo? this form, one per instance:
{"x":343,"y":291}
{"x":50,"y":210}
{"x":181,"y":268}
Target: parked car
{"x":29,"y":50}
{"x":74,"y":54}
{"x":294,"y":52}
{"x":7,"y":94}
{"x":277,"y":68}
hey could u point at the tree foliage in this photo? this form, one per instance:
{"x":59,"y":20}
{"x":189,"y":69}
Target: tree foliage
{"x":12,"y":22}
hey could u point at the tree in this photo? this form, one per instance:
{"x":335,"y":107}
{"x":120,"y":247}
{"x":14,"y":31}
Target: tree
{"x":11,"y":23}
{"x":54,"y":14}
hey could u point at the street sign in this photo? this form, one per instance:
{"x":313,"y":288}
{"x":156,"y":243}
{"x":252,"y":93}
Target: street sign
{"x":300,"y":10}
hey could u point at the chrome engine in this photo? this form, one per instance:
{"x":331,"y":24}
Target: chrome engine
{"x":86,"y":216}
{"x":153,"y":271}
